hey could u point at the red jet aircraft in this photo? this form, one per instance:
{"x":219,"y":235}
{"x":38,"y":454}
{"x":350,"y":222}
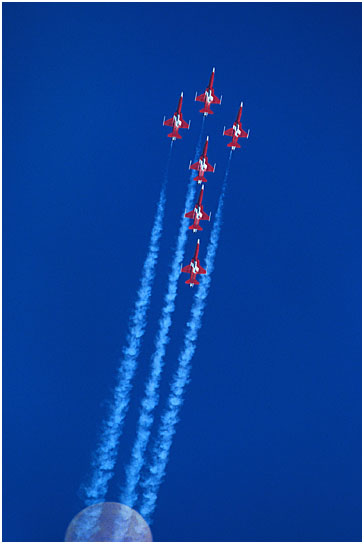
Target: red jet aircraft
{"x":198,"y":214}
{"x":194,"y":268}
{"x":176,"y":121}
{"x":236,"y":131}
{"x":208,"y":97}
{"x":202,"y":165}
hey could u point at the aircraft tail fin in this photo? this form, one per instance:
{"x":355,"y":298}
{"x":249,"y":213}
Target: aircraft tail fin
{"x":200,"y":180}
{"x":192,"y":282}
{"x":206,"y":109}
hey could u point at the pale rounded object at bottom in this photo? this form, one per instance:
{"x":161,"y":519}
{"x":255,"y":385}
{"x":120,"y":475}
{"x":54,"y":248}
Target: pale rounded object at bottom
{"x":108,"y":522}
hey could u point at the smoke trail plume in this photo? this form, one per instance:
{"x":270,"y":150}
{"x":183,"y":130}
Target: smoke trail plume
{"x":151,"y":395}
{"x":170,"y":417}
{"x":104,"y":458}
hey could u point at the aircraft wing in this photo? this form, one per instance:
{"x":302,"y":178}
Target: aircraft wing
{"x":201,"y":270}
{"x":194,"y":166}
{"x":229,"y":132}
{"x":209,"y":168}
{"x":216,"y":100}
{"x":168,"y":122}
{"x":189,"y":215}
{"x":187,"y":269}
{"x":243,"y":134}
{"x":184,"y":124}
{"x":200,"y":98}
{"x":205,"y":216}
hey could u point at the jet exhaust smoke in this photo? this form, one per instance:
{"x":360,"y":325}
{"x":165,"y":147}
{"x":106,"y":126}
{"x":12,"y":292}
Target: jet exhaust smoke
{"x":104,"y":457}
{"x":156,"y":470}
{"x":151,"y":395}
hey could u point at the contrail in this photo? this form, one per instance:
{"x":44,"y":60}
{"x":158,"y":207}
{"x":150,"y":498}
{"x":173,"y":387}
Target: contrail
{"x":170,"y":417}
{"x":104,"y":457}
{"x":151,"y":395}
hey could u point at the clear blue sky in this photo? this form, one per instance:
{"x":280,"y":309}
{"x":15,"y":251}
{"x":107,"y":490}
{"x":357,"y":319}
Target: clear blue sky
{"x":269,"y":443}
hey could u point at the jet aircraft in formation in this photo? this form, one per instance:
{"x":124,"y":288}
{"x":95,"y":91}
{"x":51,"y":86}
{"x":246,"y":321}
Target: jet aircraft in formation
{"x":197,"y":214}
{"x":176,"y":121}
{"x":202,"y":166}
{"x":236,"y":131}
{"x":194,"y":268}
{"x":208,"y":97}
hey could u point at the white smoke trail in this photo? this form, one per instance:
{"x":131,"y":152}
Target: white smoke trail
{"x":88,"y":523}
{"x":104,"y":458}
{"x":170,"y":417}
{"x":151,"y":395}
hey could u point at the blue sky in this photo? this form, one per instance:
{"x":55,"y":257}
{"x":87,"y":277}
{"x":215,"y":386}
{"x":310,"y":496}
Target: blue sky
{"x":269,"y":443}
